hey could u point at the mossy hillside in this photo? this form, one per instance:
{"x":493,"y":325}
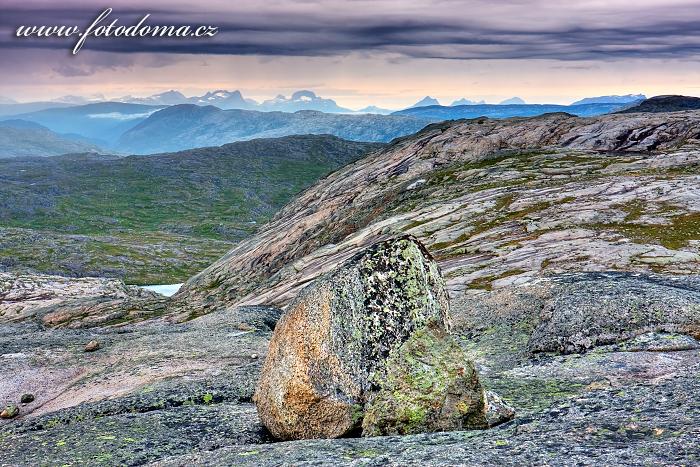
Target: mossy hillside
{"x":140,"y":258}
{"x":674,"y":235}
{"x":486,"y":282}
{"x":221,"y":194}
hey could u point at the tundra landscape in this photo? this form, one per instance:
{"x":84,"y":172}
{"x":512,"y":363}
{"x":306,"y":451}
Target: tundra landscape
{"x":553,"y":257}
{"x":366,"y":233}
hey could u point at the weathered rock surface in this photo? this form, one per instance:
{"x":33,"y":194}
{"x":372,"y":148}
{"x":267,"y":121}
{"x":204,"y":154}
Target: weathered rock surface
{"x":631,"y":402}
{"x":589,"y":310}
{"x":330,"y":351}
{"x":154,"y":389}
{"x":68,"y":302}
{"x":430,"y":385}
{"x":159,"y":390}
{"x":578,"y":312}
{"x":650,"y":423}
{"x":496,"y":202}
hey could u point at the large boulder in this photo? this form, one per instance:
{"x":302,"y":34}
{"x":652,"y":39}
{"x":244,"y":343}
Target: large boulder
{"x":329,"y":351}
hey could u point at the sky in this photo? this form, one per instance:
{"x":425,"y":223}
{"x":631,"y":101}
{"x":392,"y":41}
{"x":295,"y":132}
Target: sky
{"x":387,"y":53}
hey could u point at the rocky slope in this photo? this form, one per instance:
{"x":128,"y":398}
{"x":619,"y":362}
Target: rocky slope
{"x":180,"y":394}
{"x":665,"y":104}
{"x":497,"y":202}
{"x":569,"y":247}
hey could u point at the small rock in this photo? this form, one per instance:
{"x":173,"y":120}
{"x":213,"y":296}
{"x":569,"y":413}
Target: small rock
{"x":498,"y":410}
{"x":27,"y":398}
{"x":254,"y":356}
{"x":92,"y":346}
{"x":10,"y":411}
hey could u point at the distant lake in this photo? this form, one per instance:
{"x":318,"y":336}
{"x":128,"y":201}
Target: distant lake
{"x":167,"y":290}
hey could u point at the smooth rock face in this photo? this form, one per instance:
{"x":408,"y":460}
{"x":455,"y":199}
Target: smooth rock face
{"x":430,"y":385}
{"x":328,"y":351}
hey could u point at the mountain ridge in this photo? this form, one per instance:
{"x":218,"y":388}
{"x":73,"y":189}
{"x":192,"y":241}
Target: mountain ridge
{"x":438,"y":112}
{"x":667,"y":103}
{"x":21,"y":138}
{"x":228,"y":100}
{"x":623,"y":99}
{"x":425,"y":102}
{"x":184,"y":126}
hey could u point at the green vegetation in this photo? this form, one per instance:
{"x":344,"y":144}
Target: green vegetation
{"x":153,"y":219}
{"x":674,"y":235}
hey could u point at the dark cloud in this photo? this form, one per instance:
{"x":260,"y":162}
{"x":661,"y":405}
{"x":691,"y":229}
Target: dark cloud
{"x":438,"y":29}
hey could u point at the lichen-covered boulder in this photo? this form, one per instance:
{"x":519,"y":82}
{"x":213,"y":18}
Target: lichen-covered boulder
{"x":328,"y":351}
{"x":429,"y":385}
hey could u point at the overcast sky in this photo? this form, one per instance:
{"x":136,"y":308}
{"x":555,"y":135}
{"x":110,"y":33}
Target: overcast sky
{"x":382,"y":52}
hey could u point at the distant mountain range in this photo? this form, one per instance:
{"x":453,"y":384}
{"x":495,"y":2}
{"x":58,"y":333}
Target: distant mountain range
{"x":428,"y":101}
{"x":626,"y":99}
{"x":129,"y":128}
{"x":300,"y":100}
{"x":20,"y":138}
{"x":81,"y":100}
{"x":186,"y":126}
{"x":439,"y":112}
{"x":464,"y":101}
{"x":160,"y":123}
